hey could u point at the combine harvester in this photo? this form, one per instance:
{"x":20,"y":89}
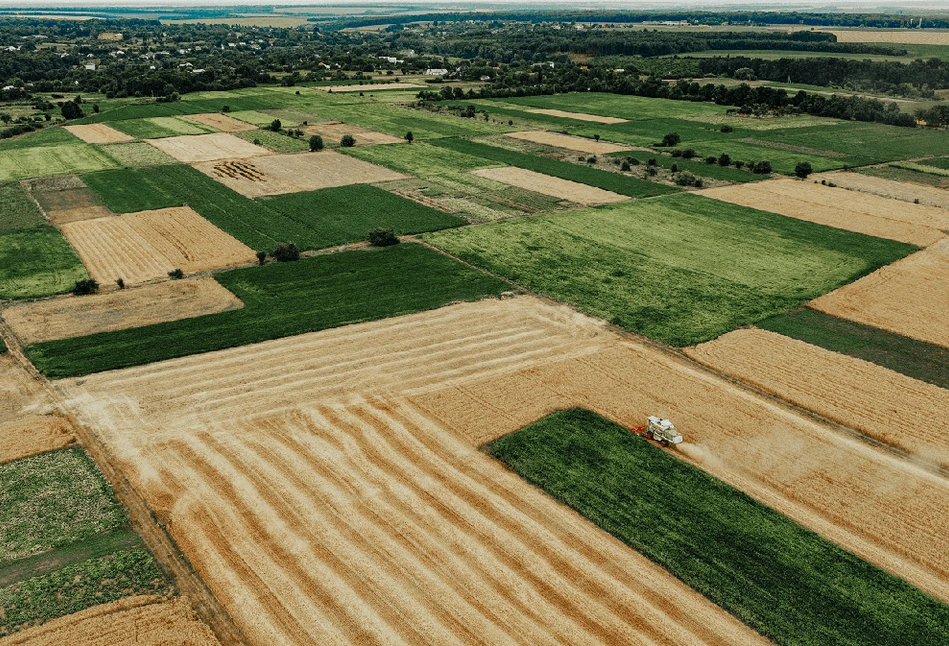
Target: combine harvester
{"x":660,"y":430}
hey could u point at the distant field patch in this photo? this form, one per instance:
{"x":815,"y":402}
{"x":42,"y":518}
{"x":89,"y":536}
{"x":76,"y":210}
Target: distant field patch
{"x":277,"y":142}
{"x":579,"y":144}
{"x":891,"y":188}
{"x":554,"y":186}
{"x":578,"y":116}
{"x":253,"y":117}
{"x":71,"y":205}
{"x":99,"y":133}
{"x":681,"y":269}
{"x":333,"y":132}
{"x":370,"y":88}
{"x":17,"y":209}
{"x":284,"y":299}
{"x":53,"y":160}
{"x":33,"y":434}
{"x":138,"y":154}
{"x":903,"y":36}
{"x":158,"y":127}
{"x":203,"y":148}
{"x":633,"y":108}
{"x":220,"y":122}
{"x":37,"y":262}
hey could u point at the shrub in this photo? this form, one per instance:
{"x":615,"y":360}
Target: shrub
{"x":121,"y":283}
{"x":677,"y":152}
{"x":727,"y":129}
{"x":724,"y":160}
{"x":711,"y":160}
{"x":803,"y":169}
{"x":916,"y":201}
{"x":382,"y":237}
{"x":651,"y":161}
{"x":688,"y":153}
{"x":651,"y":171}
{"x":409,"y":137}
{"x":176,"y":274}
{"x":257,"y":141}
{"x":685,"y":178}
{"x":596,"y":137}
{"x":275,"y":125}
{"x":316,"y":143}
{"x":675,"y":168}
{"x":348,"y":141}
{"x":225,"y":108}
{"x":762,"y":167}
{"x":671,"y":139}
{"x":591,"y":159}
{"x":261,"y":257}
{"x":86,"y":286}
{"x":625,"y":166}
{"x":632,"y":161}
{"x":286,"y":252}
{"x":739,"y":164}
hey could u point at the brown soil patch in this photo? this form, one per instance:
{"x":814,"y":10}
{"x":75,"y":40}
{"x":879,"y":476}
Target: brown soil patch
{"x":893,"y":189}
{"x":71,"y":205}
{"x":328,"y":486}
{"x":202,"y":148}
{"x":52,"y":183}
{"x":279,"y":174}
{"x":885,"y":405}
{"x":335,"y":131}
{"x":909,"y":297}
{"x":34,"y":434}
{"x":554,"y":186}
{"x":132,"y":621}
{"x":840,"y":208}
{"x":222,"y":122}
{"x":20,"y":393}
{"x":905,"y":36}
{"x":580,"y":144}
{"x":99,"y":133}
{"x":579,"y":116}
{"x":370,"y":88}
{"x":139,"y":247}
{"x":71,"y":316}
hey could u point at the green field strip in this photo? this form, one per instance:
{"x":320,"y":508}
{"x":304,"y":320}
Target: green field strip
{"x":606,"y":180}
{"x":138,"y":154}
{"x":937,"y":162}
{"x":42,"y":161}
{"x":49,"y":136}
{"x":47,"y":562}
{"x":276,"y":141}
{"x":37,"y":262}
{"x":916,"y":359}
{"x":694,"y":166}
{"x":158,"y":127}
{"x":280,"y":300}
{"x":680,"y":269}
{"x":779,"y":578}
{"x":17,"y":209}
{"x":634,"y":108}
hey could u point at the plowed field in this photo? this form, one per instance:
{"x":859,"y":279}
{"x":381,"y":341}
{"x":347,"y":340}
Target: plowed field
{"x":562,"y":189}
{"x":836,"y":207}
{"x":905,"y":191}
{"x":883,"y":404}
{"x":70,"y":316}
{"x":580,"y":144}
{"x":138,"y":247}
{"x":202,"y":148}
{"x":329,"y":490}
{"x":579,"y":116}
{"x":99,"y":133}
{"x":333,"y":132}
{"x":908,"y":297}
{"x":221,"y":122}
{"x":34,"y":434}
{"x":132,"y":621}
{"x":278,"y":174}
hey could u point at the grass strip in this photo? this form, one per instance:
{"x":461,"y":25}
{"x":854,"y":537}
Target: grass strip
{"x":19,"y":211}
{"x":786,"y":582}
{"x":606,"y":180}
{"x":283,"y":299}
{"x":37,"y":262}
{"x":916,"y":359}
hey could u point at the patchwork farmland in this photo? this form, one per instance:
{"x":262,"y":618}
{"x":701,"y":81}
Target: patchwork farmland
{"x":388,"y":396}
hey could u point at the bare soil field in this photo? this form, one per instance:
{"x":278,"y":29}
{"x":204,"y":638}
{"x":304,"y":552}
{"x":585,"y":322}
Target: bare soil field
{"x":840,"y":208}
{"x":904,"y":36}
{"x":883,"y":404}
{"x":927,"y":195}
{"x":32,"y":434}
{"x":99,"y":133}
{"x":221,"y":122}
{"x":563,"y":189}
{"x":203,"y":148}
{"x":71,"y":316}
{"x":579,"y":116}
{"x":20,"y":393}
{"x":580,"y":144}
{"x":71,"y":205}
{"x":909,"y":297}
{"x":132,"y":621}
{"x":278,"y":174}
{"x":370,"y":88}
{"x":142,"y":246}
{"x":334,"y":132}
{"x":328,"y":486}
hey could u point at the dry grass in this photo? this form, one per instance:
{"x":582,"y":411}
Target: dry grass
{"x":20,"y":393}
{"x":903,"y":36}
{"x":579,"y":144}
{"x":553,"y":186}
{"x":221,"y":122}
{"x":99,"y":133}
{"x":907,"y":192}
{"x":370,"y":88}
{"x":32,"y":434}
{"x":71,"y":316}
{"x":840,"y":208}
{"x":579,"y":116}
{"x":333,"y":132}
{"x":909,"y":297}
{"x":202,"y":148}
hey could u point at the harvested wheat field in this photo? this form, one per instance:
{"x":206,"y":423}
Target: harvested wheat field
{"x":579,"y":116}
{"x":71,"y":316}
{"x":221,"y":122}
{"x":909,"y":297}
{"x":840,"y":208}
{"x":32,"y":434}
{"x":203,"y":148}
{"x":563,"y":189}
{"x":580,"y":144}
{"x":902,"y":36}
{"x":132,"y":621}
{"x":328,"y":487}
{"x":278,"y":174}
{"x":333,"y":132}
{"x":71,"y":205}
{"x":99,"y":133}
{"x":20,"y":393}
{"x":139,"y":247}
{"x":905,"y":191}
{"x":885,"y":405}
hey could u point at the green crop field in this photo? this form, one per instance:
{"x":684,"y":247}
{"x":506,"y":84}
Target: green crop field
{"x":694,"y":166}
{"x":275,"y":141}
{"x":681,"y":269}
{"x":937,"y":162}
{"x":253,"y":117}
{"x":634,"y":108}
{"x":53,"y":160}
{"x":904,"y":175}
{"x":786,"y":582}
{"x":396,"y":121}
{"x":606,"y":180}
{"x":18,"y":210}
{"x":284,"y":299}
{"x":138,"y":154}
{"x":37,"y":262}
{"x":40,"y":138}
{"x":421,"y":159}
{"x":157,"y":127}
{"x":917,"y":359}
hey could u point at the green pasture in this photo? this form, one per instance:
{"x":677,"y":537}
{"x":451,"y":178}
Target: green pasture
{"x":276,"y":141}
{"x":53,"y":160}
{"x":681,"y":269}
{"x":634,"y":108}
{"x":421,"y":159}
{"x":138,"y":154}
{"x":284,"y":299}
{"x":158,"y":127}
{"x":695,"y":166}
{"x":45,"y":137}
{"x":37,"y":262}
{"x":17,"y":209}
{"x":788,"y":583}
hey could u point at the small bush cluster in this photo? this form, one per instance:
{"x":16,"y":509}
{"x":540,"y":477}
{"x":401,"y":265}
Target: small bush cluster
{"x":383,"y":237}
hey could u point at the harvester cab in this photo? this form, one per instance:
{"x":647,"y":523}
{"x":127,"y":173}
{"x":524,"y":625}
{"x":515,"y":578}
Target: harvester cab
{"x":662,"y":430}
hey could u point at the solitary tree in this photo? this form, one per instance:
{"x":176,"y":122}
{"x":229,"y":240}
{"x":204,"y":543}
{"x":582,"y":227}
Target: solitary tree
{"x":286,"y":252}
{"x":724,"y":160}
{"x":71,"y":110}
{"x":261,"y":257}
{"x":382,"y":237}
{"x":671,"y":139}
{"x":762,"y":167}
{"x":86,"y":286}
{"x":275,"y":125}
{"x":409,"y":137}
{"x":316,"y":143}
{"x":176,"y":274}
{"x":348,"y":141}
{"x":803,"y":169}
